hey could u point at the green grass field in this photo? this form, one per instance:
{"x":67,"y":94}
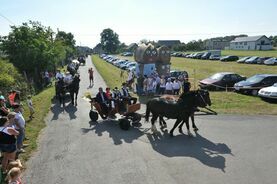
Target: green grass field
{"x":241,"y":53}
{"x":42,"y":103}
{"x":223,"y":102}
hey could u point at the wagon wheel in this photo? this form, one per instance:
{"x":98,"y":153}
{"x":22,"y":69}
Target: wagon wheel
{"x":124,"y":123}
{"x":93,"y":115}
{"x":134,"y":117}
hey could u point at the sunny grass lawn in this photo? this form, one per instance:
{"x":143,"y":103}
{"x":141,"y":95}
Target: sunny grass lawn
{"x":241,"y":53}
{"x":223,"y":102}
{"x":42,"y":103}
{"x":110,"y":73}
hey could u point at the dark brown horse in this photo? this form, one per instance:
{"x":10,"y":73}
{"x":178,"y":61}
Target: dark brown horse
{"x":74,"y":89}
{"x":180,"y":110}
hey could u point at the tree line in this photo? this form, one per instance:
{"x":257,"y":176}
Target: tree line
{"x":33,"y":48}
{"x":110,"y":42}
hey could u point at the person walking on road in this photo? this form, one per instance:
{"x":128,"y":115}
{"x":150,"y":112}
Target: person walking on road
{"x":90,"y":72}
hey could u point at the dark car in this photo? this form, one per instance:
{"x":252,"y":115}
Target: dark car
{"x":262,"y":59}
{"x":253,"y":84}
{"x":252,"y":60}
{"x":220,"y":81}
{"x":198,"y":55}
{"x":229,"y":58}
{"x":176,"y":74}
{"x":206,"y":55}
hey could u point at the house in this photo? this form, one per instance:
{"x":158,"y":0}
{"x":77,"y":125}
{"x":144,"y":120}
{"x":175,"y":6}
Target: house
{"x":216,"y":44}
{"x":251,"y":43}
{"x":131,"y":48}
{"x":169,"y":43}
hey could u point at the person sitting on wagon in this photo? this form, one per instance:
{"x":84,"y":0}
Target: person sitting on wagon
{"x":102,"y":99}
{"x":68,"y":78}
{"x":126,"y":95}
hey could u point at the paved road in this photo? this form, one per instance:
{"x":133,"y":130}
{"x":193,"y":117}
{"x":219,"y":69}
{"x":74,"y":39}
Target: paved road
{"x":228,"y":149}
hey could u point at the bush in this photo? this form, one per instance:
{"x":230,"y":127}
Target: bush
{"x":10,"y":78}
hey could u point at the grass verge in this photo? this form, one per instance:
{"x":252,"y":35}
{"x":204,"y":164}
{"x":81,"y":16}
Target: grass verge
{"x":223,"y":102}
{"x":110,"y":73}
{"x":42,"y":104}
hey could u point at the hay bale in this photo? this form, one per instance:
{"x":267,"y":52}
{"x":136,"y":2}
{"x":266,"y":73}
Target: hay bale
{"x":163,"y":55}
{"x":146,"y":54}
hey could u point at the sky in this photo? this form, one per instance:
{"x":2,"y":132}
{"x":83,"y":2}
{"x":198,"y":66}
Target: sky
{"x":134,"y":20}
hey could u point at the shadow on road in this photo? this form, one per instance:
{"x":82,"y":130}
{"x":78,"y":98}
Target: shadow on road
{"x":57,"y":109}
{"x":197,"y":147}
{"x":71,"y":109}
{"x":112,"y":128}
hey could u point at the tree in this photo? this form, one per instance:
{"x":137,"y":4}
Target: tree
{"x":109,"y":41}
{"x":32,"y":48}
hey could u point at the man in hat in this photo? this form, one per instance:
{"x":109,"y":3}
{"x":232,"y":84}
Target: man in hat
{"x":19,"y":126}
{"x":126,"y":95}
{"x":102,"y":99}
{"x":68,"y":78}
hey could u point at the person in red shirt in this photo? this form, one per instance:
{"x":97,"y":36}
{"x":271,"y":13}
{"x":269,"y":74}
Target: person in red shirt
{"x":90,"y":72}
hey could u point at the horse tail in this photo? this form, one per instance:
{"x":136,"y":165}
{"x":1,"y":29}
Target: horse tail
{"x":147,"y":114}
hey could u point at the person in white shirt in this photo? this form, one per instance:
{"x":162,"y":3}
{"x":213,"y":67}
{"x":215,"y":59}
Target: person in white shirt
{"x":176,"y":87}
{"x":169,"y":87}
{"x":19,"y":126}
{"x":68,"y":78}
{"x":59,"y":75}
{"x":162,"y":85}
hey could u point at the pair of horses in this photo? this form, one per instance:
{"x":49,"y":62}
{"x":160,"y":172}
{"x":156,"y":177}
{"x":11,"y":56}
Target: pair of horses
{"x":73,"y":88}
{"x":180,"y":110}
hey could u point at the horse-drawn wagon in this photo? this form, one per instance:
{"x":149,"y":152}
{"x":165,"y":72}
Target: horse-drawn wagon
{"x":128,"y":115}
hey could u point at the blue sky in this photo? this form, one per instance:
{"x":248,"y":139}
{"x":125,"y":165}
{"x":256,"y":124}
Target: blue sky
{"x":135,"y":20}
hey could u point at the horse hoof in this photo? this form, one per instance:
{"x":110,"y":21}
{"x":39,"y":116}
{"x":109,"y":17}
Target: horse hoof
{"x":181,"y":131}
{"x":190,"y":134}
{"x":171,"y":134}
{"x":195,"y":129}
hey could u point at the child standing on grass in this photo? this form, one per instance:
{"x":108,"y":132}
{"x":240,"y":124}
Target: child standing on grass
{"x":30,"y":106}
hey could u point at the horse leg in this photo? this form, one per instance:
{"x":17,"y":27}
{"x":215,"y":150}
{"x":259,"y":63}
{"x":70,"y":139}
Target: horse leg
{"x":186,"y":120}
{"x":72,"y":97}
{"x":153,"y":119}
{"x":76,"y":96}
{"x":193,"y":124}
{"x":175,"y":125}
{"x":164,"y":123}
{"x":63,"y":99}
{"x":180,"y":127}
{"x":161,"y":122}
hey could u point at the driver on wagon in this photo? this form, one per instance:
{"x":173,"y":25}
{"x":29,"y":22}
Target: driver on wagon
{"x":68,"y":78}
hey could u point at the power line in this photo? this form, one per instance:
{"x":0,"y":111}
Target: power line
{"x":6,"y":18}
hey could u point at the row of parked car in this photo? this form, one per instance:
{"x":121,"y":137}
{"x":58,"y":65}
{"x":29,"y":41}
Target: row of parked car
{"x":120,"y":63}
{"x":264,"y":85}
{"x":211,"y":56}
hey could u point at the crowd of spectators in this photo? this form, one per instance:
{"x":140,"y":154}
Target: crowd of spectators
{"x":159,"y":85}
{"x":12,"y":133}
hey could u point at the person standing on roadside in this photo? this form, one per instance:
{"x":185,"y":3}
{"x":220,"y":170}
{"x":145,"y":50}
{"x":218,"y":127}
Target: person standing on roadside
{"x":20,"y":127}
{"x":90,"y":73}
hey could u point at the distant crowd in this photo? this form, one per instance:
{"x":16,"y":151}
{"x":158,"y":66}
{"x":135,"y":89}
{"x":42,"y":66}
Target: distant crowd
{"x":155,"y":84}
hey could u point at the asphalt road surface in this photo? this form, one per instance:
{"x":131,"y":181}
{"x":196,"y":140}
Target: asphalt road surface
{"x":228,"y":149}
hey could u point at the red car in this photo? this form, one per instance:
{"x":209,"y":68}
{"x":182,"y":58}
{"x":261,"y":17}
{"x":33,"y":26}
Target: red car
{"x":220,"y":81}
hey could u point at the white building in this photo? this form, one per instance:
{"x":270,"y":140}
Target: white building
{"x":251,"y":43}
